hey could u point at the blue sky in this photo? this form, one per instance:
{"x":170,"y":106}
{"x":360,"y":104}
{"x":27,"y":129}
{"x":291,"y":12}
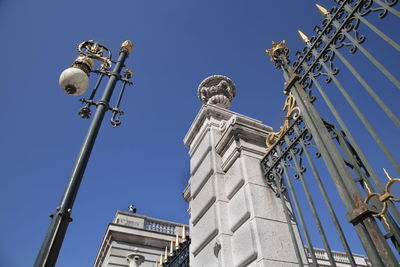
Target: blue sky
{"x":143,"y":162}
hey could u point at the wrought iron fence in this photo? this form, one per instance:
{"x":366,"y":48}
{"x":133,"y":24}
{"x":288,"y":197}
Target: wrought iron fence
{"x":180,"y":257}
{"x":309,"y":155}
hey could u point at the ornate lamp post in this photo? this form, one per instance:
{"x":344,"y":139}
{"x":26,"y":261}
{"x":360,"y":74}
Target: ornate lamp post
{"x":75,"y":81}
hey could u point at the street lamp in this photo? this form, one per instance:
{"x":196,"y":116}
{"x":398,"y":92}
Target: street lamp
{"x":75,"y":81}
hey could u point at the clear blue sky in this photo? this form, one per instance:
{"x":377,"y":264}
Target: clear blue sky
{"x":177,"y":43}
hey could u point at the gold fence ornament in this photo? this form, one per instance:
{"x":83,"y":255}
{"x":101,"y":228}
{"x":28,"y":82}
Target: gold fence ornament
{"x":303,"y":36}
{"x":385,"y":196}
{"x":324,"y":12}
{"x":293,"y":112}
{"x":277,"y":50}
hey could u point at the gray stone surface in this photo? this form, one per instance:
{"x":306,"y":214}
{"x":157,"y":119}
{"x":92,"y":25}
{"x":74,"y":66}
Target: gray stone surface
{"x":202,"y":174}
{"x":204,"y":230}
{"x":244,"y":249}
{"x":233,"y":182}
{"x":239,"y":211}
{"x":203,"y":201}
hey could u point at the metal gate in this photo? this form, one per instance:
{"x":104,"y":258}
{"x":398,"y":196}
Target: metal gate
{"x":180,"y":257}
{"x":309,"y":158}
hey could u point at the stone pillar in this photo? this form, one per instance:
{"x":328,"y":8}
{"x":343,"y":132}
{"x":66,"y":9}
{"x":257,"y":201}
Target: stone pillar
{"x":236,"y":219}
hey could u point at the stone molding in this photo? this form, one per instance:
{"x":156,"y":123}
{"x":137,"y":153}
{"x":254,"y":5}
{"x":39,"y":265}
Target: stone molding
{"x":239,"y":134}
{"x":192,"y":140}
{"x":187,"y":194}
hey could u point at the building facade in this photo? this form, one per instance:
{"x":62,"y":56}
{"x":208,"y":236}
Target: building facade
{"x":135,"y":240}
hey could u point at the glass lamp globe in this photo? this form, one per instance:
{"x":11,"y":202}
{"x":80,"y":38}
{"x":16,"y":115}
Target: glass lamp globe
{"x":74,"y":81}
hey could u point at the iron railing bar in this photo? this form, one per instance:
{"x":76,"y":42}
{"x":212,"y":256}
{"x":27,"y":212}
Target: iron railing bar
{"x":285,"y":210}
{"x":361,"y":116}
{"x":394,"y":211}
{"x":378,"y":32}
{"x":368,"y":88}
{"x":391,"y":228}
{"x":331,"y":211}
{"x":373,"y":60}
{"x":389,"y":8}
{"x":373,"y":241}
{"x":312,"y":206}
{"x":377,"y":249}
{"x":301,"y":217}
{"x":300,"y":213}
{"x":345,"y":129}
{"x":395,"y":231}
{"x":332,"y":19}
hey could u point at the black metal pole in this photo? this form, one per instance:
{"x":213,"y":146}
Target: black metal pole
{"x":51,"y":245}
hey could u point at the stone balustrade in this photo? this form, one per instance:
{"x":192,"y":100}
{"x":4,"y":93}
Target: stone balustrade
{"x":162,"y":227}
{"x":339,"y":257}
{"x":150,"y":224}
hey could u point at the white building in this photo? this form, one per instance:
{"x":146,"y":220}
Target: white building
{"x":136,"y":240}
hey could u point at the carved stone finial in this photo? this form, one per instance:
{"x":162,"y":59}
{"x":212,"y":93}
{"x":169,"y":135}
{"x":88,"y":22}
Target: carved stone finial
{"x":218,"y":90}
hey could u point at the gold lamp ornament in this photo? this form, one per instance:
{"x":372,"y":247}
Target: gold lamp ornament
{"x":75,"y":80}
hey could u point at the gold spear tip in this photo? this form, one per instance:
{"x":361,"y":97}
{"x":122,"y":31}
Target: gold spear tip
{"x":161,"y":259}
{"x":387,"y":174}
{"x":322,"y":10}
{"x":176,"y":241}
{"x":183,"y":233}
{"x":303,"y":36}
{"x":171,"y":248}
{"x":127,"y":46}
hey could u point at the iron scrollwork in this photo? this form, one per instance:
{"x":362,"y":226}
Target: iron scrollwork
{"x":279,"y":155}
{"x":339,"y":25}
{"x":295,"y":154}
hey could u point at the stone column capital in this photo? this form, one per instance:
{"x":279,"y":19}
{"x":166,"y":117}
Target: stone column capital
{"x":135,"y":259}
{"x":218,"y":90}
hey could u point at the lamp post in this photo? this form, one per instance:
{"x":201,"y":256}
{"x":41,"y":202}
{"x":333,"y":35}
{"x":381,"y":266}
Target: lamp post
{"x":75,"y":81}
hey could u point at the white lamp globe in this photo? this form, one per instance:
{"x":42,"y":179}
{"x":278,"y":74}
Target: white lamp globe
{"x":74,"y":81}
